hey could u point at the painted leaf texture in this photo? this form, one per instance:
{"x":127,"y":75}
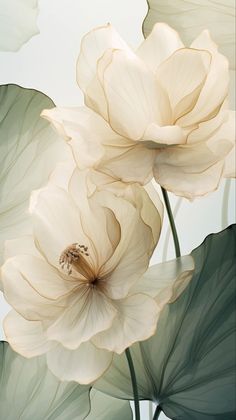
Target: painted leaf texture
{"x":104,"y":407}
{"x":188,"y":366}
{"x":190,"y":17}
{"x":28,"y":390}
{"x":29,"y":151}
{"x":17,"y":23}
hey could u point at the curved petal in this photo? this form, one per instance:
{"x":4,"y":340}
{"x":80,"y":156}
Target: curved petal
{"x":88,"y":312}
{"x":57,"y":223}
{"x":25,"y":337}
{"x":23,"y":297}
{"x":98,"y":219}
{"x":159,"y":45}
{"x":131,"y":257}
{"x":83,"y":365}
{"x":42,"y":277}
{"x":166,"y":281}
{"x":124,"y":162}
{"x":21,"y":245}
{"x":215,"y":89}
{"x":134,"y":98}
{"x":182,"y":76}
{"x":93,"y":46}
{"x":155,"y":136}
{"x":84,"y":130}
{"x":95,"y":145}
{"x":136,"y":321}
{"x":196,"y":168}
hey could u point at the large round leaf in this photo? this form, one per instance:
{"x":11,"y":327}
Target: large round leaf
{"x":29,"y":150}
{"x":17,"y":23}
{"x":188,"y":367}
{"x":28,"y":390}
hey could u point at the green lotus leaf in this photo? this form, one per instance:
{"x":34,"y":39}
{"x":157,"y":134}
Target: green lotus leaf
{"x":28,"y":390}
{"x":189,"y":18}
{"x":105,"y":407}
{"x":188,"y":367}
{"x":29,"y":150}
{"x":17,"y":23}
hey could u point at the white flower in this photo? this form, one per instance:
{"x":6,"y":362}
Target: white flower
{"x":161,"y":110}
{"x":83,"y":292}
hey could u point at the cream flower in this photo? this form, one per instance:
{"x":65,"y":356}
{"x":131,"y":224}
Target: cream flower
{"x":84,"y":291}
{"x":93,"y":245}
{"x":161,"y":110}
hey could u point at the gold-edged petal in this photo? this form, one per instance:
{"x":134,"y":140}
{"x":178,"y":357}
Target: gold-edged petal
{"x":136,"y":321}
{"x":26,"y":337}
{"x":83,"y":365}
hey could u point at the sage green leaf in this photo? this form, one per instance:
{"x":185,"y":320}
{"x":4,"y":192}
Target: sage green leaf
{"x":29,"y":151}
{"x":104,"y":407}
{"x":17,"y":23}
{"x":28,"y":390}
{"x":189,"y":18}
{"x":189,"y":366}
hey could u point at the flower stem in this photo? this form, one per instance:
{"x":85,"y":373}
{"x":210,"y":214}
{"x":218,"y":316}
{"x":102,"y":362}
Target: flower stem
{"x":172,"y":222}
{"x":134,"y":384}
{"x":157,"y":413}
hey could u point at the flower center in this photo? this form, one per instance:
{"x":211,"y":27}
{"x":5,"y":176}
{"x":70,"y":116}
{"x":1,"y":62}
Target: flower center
{"x":75,"y":257}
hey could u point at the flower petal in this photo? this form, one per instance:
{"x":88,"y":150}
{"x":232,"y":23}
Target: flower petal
{"x":83,"y":129}
{"x":215,"y":88}
{"x":83,"y":365}
{"x":133,"y":96}
{"x":182,"y":76}
{"x":93,"y":46}
{"x":25,"y":337}
{"x":56,"y":223}
{"x":196,"y":168}
{"x":88,"y":312}
{"x":23,"y":297}
{"x":131,"y":257}
{"x":159,"y":45}
{"x":136,"y":321}
{"x":166,"y":281}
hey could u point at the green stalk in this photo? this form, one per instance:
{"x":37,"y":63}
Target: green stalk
{"x":134,"y":384}
{"x":157,"y":413}
{"x":172,"y":222}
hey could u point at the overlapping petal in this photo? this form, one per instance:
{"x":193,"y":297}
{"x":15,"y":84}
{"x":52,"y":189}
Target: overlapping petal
{"x":151,"y":104}
{"x":92,"y":241}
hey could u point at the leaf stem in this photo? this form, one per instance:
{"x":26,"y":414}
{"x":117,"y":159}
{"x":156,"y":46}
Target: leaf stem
{"x":134,"y":384}
{"x":172,"y":222}
{"x":157,"y":412}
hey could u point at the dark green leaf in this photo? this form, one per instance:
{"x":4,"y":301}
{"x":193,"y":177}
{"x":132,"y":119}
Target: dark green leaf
{"x":189,"y":365}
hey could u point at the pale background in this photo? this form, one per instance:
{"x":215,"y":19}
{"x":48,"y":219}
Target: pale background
{"x":47,"y":63}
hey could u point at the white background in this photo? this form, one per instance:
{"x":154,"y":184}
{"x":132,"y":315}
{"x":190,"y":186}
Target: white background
{"x":47,"y":63}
